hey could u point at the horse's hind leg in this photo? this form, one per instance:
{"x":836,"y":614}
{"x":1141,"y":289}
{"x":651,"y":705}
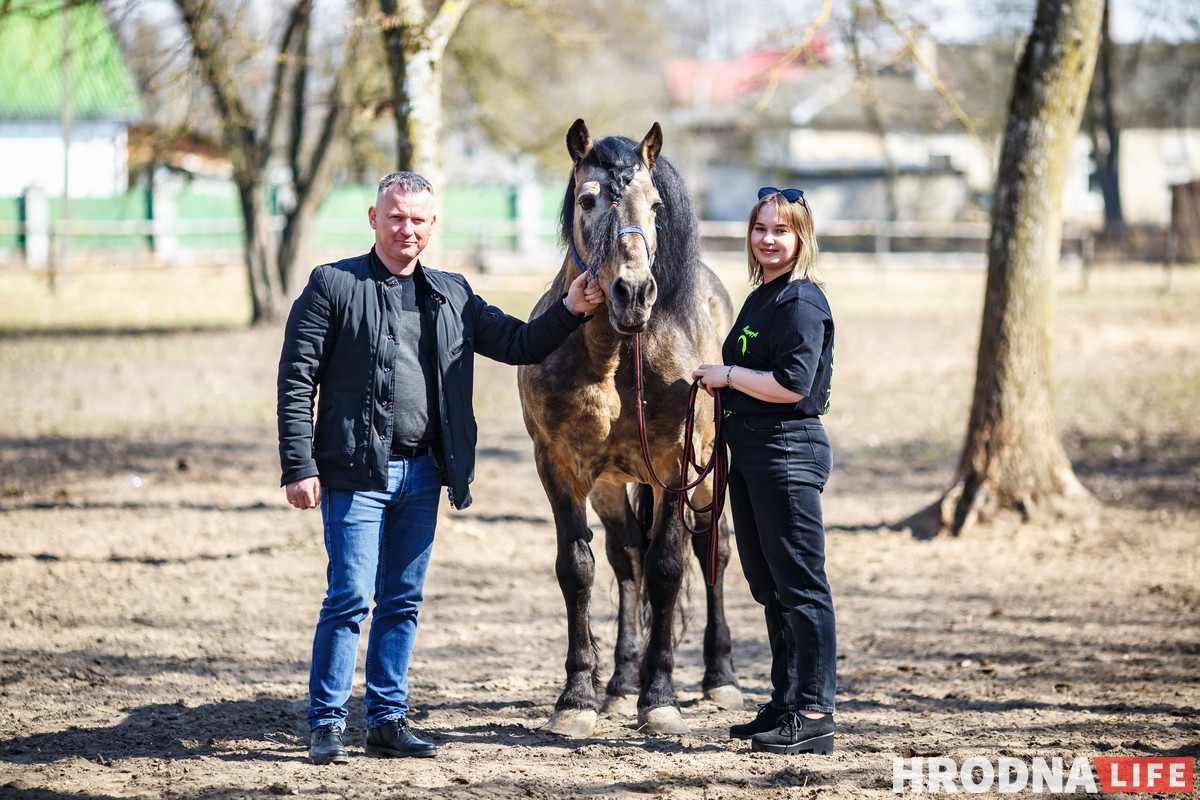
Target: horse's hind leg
{"x":625,"y":545}
{"x":720,"y":684}
{"x":575,"y":711}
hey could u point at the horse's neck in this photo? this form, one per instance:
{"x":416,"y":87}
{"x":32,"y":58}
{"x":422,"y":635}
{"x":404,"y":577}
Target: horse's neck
{"x":603,"y":344}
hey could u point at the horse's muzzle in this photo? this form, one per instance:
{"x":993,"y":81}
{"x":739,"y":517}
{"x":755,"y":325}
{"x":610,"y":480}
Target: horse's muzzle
{"x":625,"y":330}
{"x":630,"y":303}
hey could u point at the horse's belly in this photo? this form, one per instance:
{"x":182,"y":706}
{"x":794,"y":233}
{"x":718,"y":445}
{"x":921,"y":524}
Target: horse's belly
{"x":618,"y":476}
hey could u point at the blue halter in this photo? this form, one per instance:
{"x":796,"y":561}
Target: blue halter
{"x":620,"y":232}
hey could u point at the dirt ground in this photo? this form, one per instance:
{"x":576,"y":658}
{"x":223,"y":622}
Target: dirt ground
{"x":157,"y":595}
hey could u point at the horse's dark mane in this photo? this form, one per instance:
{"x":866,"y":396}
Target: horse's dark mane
{"x":678,"y":253}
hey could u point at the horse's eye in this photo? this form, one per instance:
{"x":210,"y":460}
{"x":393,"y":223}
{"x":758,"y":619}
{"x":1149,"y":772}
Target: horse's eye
{"x":655,"y":207}
{"x":587,"y":202}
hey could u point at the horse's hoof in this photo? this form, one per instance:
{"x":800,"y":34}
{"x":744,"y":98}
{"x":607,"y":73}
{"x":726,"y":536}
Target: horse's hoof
{"x":661,"y":721}
{"x":574,"y":723}
{"x":620,"y":705}
{"x":728,"y":696}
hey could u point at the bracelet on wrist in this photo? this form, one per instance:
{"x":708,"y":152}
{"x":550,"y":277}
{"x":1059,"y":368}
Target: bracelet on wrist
{"x":729,"y":376}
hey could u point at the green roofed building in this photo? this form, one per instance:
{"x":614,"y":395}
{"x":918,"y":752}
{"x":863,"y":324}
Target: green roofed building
{"x":103,"y":99}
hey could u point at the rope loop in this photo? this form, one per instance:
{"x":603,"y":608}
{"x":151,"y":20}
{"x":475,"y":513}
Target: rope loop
{"x":717,"y":466}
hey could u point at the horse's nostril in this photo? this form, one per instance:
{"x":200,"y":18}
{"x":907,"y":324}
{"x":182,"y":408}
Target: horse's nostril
{"x":619,"y":291}
{"x":645,"y":293}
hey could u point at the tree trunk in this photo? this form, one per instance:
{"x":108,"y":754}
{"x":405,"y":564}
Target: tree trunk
{"x":393,"y":29}
{"x":312,"y":169}
{"x":1101,"y":117}
{"x":294,"y":242}
{"x":246,"y":148}
{"x":249,"y":135}
{"x":424,"y":131}
{"x":415,"y":42}
{"x":1013,"y":458}
{"x":266,"y":293}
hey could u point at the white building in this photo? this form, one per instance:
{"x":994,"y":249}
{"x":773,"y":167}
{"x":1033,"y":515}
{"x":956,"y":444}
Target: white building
{"x":35,"y":66}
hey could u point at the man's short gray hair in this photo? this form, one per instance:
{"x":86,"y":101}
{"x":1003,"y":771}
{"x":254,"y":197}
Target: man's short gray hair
{"x":409,"y":183}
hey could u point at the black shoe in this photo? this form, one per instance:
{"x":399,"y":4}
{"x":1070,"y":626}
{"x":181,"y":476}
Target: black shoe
{"x":325,"y":746}
{"x":767,"y":720}
{"x":797,"y":734}
{"x":395,"y":739}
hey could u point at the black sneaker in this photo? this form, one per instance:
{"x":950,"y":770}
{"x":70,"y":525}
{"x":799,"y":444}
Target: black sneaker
{"x":767,"y":720}
{"x":395,"y":739}
{"x":325,"y":746}
{"x":797,"y":734}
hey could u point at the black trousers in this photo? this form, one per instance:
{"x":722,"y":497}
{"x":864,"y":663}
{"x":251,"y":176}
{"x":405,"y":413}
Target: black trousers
{"x":778,"y":468}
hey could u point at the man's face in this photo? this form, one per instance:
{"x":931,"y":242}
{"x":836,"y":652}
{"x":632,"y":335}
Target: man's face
{"x":402,"y":222}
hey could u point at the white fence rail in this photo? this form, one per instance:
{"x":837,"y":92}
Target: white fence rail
{"x":40,"y":242}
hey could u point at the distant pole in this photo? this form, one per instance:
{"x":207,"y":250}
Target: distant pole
{"x":62,"y":239}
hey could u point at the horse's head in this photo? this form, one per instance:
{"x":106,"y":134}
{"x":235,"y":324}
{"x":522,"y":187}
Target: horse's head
{"x":609,"y":216}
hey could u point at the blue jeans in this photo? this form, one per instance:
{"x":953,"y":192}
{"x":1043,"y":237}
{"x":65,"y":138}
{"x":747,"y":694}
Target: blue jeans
{"x":378,"y":543}
{"x":777,"y":471}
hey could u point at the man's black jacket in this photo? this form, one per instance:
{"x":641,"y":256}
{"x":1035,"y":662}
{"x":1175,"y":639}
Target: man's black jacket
{"x":340,"y":338}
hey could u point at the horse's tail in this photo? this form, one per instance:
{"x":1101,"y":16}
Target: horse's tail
{"x":640,"y":513}
{"x":640,"y":520}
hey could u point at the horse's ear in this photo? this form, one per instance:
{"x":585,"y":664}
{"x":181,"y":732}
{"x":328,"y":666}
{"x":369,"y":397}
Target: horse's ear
{"x":579,"y":141}
{"x":650,"y":146}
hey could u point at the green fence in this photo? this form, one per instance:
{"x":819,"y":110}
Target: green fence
{"x":209,"y":217}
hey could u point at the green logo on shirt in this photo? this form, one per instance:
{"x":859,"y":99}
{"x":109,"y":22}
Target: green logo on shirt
{"x":745,"y":338}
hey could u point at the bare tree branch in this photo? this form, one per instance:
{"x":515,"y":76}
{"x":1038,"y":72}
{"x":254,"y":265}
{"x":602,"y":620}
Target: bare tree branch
{"x":802,"y":47}
{"x":963,"y":118}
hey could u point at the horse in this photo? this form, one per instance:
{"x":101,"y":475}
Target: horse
{"x":627,"y":217}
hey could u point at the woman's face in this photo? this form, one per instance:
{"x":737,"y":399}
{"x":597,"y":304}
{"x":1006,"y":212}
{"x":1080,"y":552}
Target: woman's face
{"x":773,"y":243}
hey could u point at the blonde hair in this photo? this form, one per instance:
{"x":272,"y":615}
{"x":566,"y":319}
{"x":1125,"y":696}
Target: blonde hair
{"x":798,"y":217}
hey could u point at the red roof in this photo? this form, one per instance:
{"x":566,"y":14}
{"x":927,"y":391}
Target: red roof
{"x":694,"y":82}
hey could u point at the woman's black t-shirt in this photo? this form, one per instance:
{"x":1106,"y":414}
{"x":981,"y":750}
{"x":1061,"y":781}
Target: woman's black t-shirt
{"x":785,"y":328}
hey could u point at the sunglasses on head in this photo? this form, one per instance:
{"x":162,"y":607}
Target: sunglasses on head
{"x":791,"y":195}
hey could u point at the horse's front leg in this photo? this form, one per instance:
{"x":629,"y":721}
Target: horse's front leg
{"x":720,"y":683}
{"x":625,"y":544}
{"x":575,"y":711}
{"x":658,"y":708}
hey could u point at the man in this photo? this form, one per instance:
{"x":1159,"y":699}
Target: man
{"x":385,"y":346}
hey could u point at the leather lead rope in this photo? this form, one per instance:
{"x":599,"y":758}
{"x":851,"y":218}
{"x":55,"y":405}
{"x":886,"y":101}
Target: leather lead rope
{"x":718,"y":463}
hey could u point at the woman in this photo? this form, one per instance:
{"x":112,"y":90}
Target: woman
{"x":775,"y":386}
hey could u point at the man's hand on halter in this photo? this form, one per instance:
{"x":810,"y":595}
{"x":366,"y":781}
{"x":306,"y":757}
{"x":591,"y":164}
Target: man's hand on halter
{"x":584,"y":295}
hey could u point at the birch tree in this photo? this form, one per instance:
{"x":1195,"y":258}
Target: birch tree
{"x":415,"y":35}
